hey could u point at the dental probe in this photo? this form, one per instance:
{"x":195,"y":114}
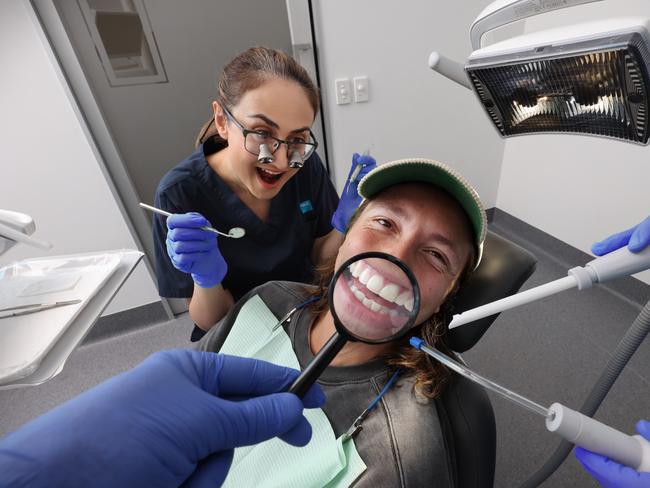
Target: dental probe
{"x":235,"y":232}
{"x":633,"y":451}
{"x":614,"y":265}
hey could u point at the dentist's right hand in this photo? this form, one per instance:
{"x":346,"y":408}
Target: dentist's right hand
{"x":195,"y":251}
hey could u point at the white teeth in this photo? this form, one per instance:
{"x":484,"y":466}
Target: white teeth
{"x":375,"y":284}
{"x":365,"y":275}
{"x":360,"y":296}
{"x":273,"y":173}
{"x":388,"y":292}
{"x":400,"y":300}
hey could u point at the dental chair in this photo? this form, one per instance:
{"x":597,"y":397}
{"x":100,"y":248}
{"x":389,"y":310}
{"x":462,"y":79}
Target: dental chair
{"x":464,"y":408}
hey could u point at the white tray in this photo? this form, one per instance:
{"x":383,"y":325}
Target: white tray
{"x":25,"y":340}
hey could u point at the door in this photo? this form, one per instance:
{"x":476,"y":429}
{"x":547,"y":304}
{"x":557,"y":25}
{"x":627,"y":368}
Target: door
{"x":152,"y":67}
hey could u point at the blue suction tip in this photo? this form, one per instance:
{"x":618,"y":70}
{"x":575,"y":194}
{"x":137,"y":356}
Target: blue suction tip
{"x":416,"y":342}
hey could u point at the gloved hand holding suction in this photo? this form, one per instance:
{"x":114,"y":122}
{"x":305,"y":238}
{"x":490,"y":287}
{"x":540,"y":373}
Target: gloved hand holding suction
{"x":350,"y":198}
{"x":611,"y":474}
{"x":195,"y":250}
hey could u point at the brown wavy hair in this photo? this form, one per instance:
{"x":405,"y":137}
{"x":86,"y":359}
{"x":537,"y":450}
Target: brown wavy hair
{"x":431,"y":377}
{"x":249,"y":70}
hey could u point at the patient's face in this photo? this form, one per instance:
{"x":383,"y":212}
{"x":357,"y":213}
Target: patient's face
{"x":422,"y":226}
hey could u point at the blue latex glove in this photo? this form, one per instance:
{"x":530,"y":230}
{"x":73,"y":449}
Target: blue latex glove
{"x":194,"y":250}
{"x":636,"y":239}
{"x":350,"y":198}
{"x":611,"y":474}
{"x":175,"y":418}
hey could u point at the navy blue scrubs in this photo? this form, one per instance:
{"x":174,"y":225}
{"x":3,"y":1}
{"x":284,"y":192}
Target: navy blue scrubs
{"x":279,"y":249}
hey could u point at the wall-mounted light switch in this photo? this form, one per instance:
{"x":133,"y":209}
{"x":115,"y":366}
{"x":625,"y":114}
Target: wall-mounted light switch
{"x":343,"y":91}
{"x":361,"y":89}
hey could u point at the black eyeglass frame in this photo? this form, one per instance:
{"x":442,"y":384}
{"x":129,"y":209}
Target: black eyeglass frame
{"x":246,"y":131}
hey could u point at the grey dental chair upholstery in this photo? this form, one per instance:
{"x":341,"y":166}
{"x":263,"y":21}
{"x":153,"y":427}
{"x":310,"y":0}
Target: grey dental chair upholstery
{"x":464,"y":408}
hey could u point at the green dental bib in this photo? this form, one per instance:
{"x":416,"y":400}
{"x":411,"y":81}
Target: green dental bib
{"x":326,"y":461}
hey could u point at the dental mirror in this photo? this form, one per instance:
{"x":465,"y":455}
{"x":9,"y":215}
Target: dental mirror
{"x":374,"y":298}
{"x":234,"y":233}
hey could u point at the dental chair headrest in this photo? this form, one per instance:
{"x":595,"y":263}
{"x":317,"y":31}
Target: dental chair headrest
{"x":503,"y":270}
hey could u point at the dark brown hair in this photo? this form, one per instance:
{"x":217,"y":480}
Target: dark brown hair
{"x":430,"y":376}
{"x":249,"y":70}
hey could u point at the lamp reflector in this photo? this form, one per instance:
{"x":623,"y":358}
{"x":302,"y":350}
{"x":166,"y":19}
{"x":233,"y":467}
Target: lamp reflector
{"x":597,"y":87}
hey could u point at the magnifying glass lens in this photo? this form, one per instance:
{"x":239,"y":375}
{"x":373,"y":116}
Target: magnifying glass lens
{"x":373,"y":299}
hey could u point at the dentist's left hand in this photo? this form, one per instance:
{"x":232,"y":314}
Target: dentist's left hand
{"x":173,"y":419}
{"x":350,"y":198}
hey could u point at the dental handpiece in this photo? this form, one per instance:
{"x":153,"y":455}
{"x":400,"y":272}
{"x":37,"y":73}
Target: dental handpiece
{"x":614,"y":265}
{"x":235,"y":232}
{"x":575,"y":427}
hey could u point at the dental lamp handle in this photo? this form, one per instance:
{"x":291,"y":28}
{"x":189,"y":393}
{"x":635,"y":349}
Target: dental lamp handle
{"x":449,"y":68}
{"x":586,"y":432}
{"x":617,"y":264}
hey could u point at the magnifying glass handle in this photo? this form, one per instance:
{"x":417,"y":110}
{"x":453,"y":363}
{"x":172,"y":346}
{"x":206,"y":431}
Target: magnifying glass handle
{"x":317,"y":365}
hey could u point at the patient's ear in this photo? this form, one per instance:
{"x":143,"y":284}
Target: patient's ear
{"x":220,"y":120}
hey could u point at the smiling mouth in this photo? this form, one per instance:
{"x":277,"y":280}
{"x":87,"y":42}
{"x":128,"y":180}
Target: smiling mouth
{"x":376,"y":292}
{"x":269,"y":176}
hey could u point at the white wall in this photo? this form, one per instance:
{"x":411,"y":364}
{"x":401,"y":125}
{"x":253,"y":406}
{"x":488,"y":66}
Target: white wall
{"x":47,"y":167}
{"x":577,"y":188}
{"x":412,"y":112}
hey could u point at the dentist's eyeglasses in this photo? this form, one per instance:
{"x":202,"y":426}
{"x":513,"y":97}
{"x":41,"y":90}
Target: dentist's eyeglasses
{"x":297,"y":148}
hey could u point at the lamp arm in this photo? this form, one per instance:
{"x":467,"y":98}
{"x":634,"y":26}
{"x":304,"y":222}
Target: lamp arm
{"x":502,"y":12}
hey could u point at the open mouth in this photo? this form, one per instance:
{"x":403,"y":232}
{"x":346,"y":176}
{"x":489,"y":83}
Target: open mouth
{"x":269,"y":176}
{"x":377,"y":292}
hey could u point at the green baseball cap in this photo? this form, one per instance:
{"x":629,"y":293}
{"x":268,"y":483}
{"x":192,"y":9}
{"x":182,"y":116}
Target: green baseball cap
{"x":435,"y":173}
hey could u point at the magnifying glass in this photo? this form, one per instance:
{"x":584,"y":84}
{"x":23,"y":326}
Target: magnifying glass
{"x":374,"y":298}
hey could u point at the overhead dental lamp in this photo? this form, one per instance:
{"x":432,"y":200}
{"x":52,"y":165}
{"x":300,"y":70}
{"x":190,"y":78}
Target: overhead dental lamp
{"x":589,"y":78}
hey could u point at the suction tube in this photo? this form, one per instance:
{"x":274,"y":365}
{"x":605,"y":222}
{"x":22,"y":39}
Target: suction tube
{"x":622,"y":354}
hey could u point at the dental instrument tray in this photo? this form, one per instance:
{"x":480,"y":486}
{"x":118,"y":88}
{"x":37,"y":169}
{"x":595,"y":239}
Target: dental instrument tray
{"x":40,"y":299}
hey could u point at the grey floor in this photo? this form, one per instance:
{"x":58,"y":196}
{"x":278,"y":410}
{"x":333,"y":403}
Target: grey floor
{"x":552,"y":350}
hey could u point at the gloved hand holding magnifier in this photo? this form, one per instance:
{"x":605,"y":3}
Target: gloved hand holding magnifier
{"x":374,"y":298}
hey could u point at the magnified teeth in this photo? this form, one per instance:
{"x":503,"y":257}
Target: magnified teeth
{"x":375,"y":284}
{"x":401,"y":299}
{"x":388,"y":292}
{"x":409,"y":305}
{"x":365,"y":275}
{"x":354,"y":269}
{"x":360,"y":296}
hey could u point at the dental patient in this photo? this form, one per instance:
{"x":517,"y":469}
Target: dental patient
{"x":425,"y":214}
